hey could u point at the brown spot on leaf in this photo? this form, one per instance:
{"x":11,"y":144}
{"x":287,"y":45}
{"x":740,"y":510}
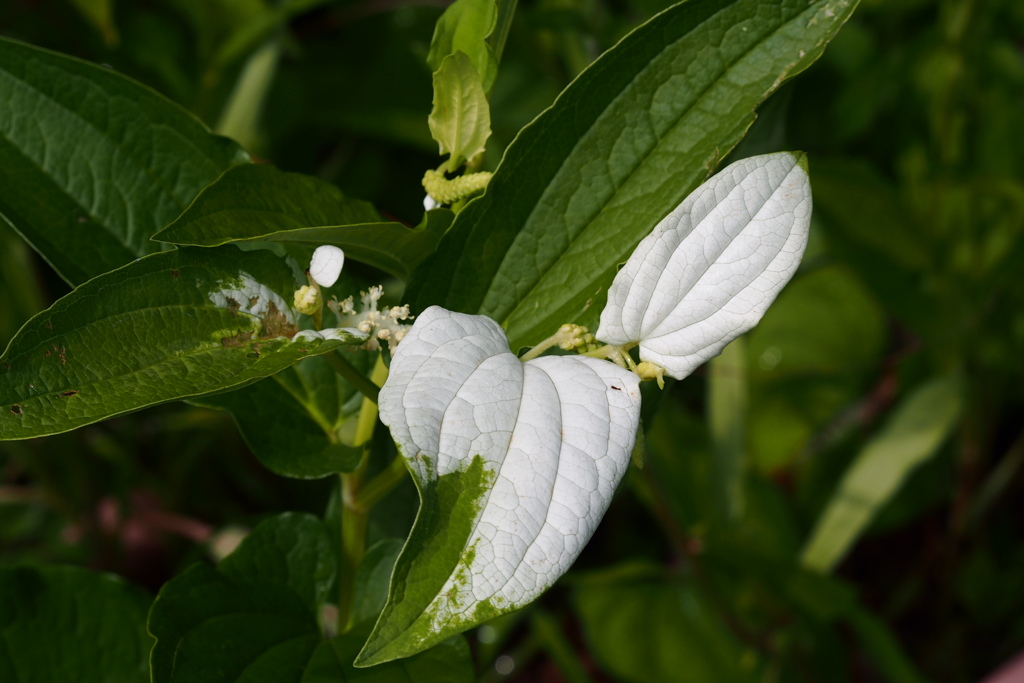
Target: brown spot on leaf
{"x":276,"y":324}
{"x":237,"y":341}
{"x":174,"y":272}
{"x":233,"y":306}
{"x":616,"y":388}
{"x":68,"y":394}
{"x":16,"y":409}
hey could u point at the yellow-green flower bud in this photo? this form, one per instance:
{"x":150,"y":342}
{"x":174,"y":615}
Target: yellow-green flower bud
{"x":307,"y":300}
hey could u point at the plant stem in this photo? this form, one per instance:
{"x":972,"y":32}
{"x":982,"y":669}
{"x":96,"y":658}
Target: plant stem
{"x":355,"y":513}
{"x":350,"y":374}
{"x":381,"y":485}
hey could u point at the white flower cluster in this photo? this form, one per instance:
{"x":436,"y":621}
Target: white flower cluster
{"x":384,"y":324}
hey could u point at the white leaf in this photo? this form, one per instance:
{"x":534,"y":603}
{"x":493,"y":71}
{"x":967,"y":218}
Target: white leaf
{"x":710,"y":269}
{"x":554,"y":437}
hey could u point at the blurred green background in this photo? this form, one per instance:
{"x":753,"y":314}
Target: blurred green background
{"x":835,"y":498}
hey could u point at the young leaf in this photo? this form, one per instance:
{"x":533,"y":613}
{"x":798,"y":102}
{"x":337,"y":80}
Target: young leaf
{"x":256,"y":613}
{"x":71,"y":624}
{"x":515,"y":462}
{"x":712,"y":267}
{"x":169,"y":326}
{"x":259,"y":202}
{"x":461,"y":118}
{"x":92,"y":163}
{"x":915,"y":432}
{"x":619,"y":149}
{"x":464,"y":27}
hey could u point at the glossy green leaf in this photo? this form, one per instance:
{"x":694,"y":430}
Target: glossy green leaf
{"x":448,"y":662}
{"x":168,"y":326}
{"x":650,"y":629}
{"x":621,"y":147}
{"x":461,"y":118}
{"x":92,"y":163}
{"x":464,"y":27}
{"x":291,"y":420}
{"x":372,"y":579}
{"x":60,"y":624}
{"x":262,"y":203}
{"x":916,"y":430}
{"x":254,"y":617}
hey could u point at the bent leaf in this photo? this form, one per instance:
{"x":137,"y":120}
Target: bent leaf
{"x":515,"y":463}
{"x":93,"y":163}
{"x":619,"y":149}
{"x":918,"y":427}
{"x":712,"y":267}
{"x":260,"y":202}
{"x":461,"y":118}
{"x":169,"y":326}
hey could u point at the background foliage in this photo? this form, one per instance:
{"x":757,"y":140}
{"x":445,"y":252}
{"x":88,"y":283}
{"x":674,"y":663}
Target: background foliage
{"x":835,"y":498}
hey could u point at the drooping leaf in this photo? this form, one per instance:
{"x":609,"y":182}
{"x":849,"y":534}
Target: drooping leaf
{"x":913,"y":434}
{"x":281,"y":429}
{"x":464,"y":27}
{"x":252,"y":618}
{"x":61,"y":624}
{"x":92,"y":163}
{"x":461,"y":118}
{"x":263,"y":203}
{"x":515,"y":463}
{"x":621,"y":147}
{"x":712,"y":267}
{"x":169,"y":326}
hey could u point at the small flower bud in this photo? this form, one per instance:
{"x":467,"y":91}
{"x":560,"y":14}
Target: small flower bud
{"x":648,"y":371}
{"x":307,"y":300}
{"x":325,"y":267}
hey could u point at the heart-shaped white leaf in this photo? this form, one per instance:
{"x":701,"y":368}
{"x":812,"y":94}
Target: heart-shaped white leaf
{"x":515,"y":462}
{"x":710,"y":269}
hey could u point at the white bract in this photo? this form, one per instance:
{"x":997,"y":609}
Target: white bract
{"x":516,"y":462}
{"x":326,"y":264}
{"x":551,"y":439}
{"x":710,"y":269}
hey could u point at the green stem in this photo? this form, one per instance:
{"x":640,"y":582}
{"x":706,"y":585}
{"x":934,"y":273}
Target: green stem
{"x":381,"y":485}
{"x":350,"y":374}
{"x":355,"y":513}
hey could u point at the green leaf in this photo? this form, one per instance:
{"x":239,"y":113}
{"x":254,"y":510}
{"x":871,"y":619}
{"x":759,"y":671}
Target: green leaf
{"x":649,"y":629}
{"x":259,"y":202}
{"x":464,"y":27}
{"x":372,"y":580}
{"x":461,"y":118}
{"x":254,"y":617}
{"x":727,"y":423}
{"x":92,"y":163}
{"x":291,"y":420}
{"x":913,"y":434}
{"x":620,"y":148}
{"x":448,"y":662}
{"x":60,"y":624}
{"x":169,"y":326}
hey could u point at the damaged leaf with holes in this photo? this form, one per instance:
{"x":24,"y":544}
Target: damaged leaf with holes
{"x":169,"y":326}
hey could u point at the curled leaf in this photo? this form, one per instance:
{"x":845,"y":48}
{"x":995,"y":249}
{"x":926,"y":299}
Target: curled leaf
{"x":710,"y":269}
{"x":515,"y":462}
